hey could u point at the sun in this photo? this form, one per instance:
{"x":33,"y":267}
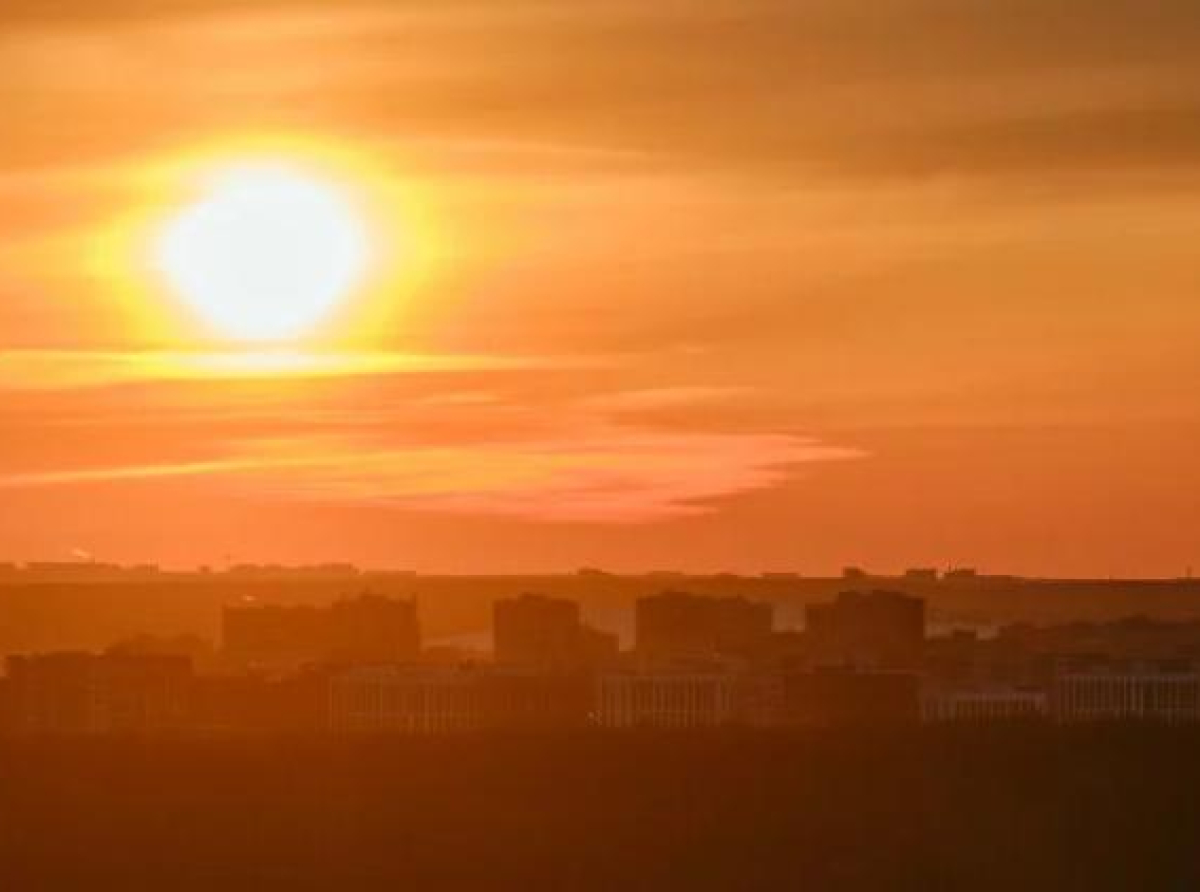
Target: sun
{"x":266,"y":253}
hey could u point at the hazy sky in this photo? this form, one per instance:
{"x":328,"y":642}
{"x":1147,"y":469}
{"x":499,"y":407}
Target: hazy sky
{"x":716,"y":285}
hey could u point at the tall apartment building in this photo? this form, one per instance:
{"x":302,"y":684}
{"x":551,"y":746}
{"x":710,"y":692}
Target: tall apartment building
{"x":678,"y":625}
{"x":534,"y":630}
{"x":367,"y":629}
{"x":880,"y":630}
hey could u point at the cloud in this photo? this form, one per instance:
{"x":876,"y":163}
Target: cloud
{"x":606,"y":477}
{"x":750,"y":86}
{"x":613,"y":476}
{"x":468,"y":452}
{"x":660,"y":398}
{"x":34,"y":369}
{"x":120,"y":474}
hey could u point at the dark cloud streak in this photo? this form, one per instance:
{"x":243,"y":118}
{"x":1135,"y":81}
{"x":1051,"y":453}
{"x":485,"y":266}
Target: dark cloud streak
{"x":768,"y":87}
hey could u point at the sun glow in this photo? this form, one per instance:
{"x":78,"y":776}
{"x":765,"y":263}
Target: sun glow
{"x":266,"y":254}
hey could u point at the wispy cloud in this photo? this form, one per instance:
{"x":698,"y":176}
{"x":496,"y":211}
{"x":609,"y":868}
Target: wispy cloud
{"x":605,"y":474}
{"x":656,"y":398}
{"x":120,"y":474}
{"x":59,"y":369}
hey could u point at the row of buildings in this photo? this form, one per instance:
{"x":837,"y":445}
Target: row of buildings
{"x":358,"y":666}
{"x":875,"y":629}
{"x":109,"y":693}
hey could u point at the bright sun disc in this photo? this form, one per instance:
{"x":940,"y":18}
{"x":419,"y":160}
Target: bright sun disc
{"x":266,"y":254}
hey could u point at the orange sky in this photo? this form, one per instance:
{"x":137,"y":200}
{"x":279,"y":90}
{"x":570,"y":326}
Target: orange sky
{"x":750,"y":285}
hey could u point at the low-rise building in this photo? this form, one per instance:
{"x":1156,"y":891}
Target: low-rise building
{"x":439,"y":700}
{"x":665,"y":698}
{"x":835,"y":697}
{"x":85,"y":693}
{"x":983,"y":705}
{"x":1164,"y":693}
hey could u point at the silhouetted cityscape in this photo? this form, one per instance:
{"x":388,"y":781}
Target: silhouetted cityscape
{"x":325,"y":727}
{"x":700,"y":654}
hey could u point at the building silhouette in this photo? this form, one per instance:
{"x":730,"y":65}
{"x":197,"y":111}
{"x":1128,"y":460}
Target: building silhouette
{"x":678,"y":625}
{"x":828,"y":697}
{"x":881,"y":630}
{"x":366,"y":629}
{"x":424,"y":700}
{"x":666,"y":698}
{"x":983,"y":704}
{"x":534,"y":630}
{"x":84,"y":693}
{"x":1166,"y":692}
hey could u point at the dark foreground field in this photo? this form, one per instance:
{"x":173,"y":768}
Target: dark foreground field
{"x":1004,"y":809}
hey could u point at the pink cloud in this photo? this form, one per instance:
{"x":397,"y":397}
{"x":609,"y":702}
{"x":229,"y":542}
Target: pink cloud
{"x":456,"y":444}
{"x":607,"y":475}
